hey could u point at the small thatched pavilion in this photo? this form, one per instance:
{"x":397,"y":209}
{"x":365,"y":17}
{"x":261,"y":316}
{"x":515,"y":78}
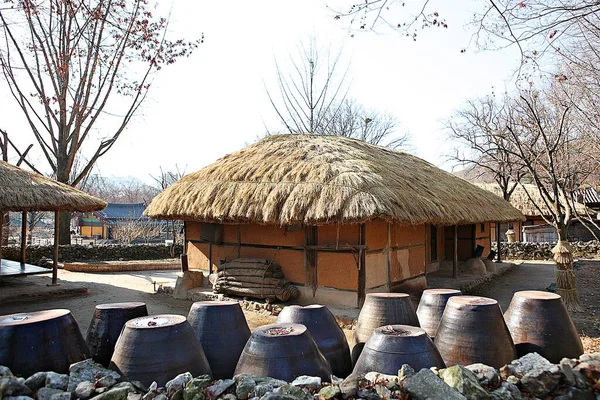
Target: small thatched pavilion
{"x":342,"y":217}
{"x":25,"y":191}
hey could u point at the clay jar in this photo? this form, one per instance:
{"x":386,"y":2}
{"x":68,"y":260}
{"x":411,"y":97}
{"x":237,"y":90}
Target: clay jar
{"x":382,"y":309}
{"x":283,"y":351}
{"x":328,"y":336}
{"x":47,"y":340}
{"x":431,"y":307}
{"x":472,"y":330}
{"x":391,"y":346}
{"x":221,"y":328}
{"x":539,"y":322}
{"x":158,"y":348}
{"x":106,"y":326}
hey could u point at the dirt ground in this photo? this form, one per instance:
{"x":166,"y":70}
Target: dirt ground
{"x":137,"y":286}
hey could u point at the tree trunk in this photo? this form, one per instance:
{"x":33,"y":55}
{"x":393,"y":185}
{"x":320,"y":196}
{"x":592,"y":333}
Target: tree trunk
{"x":5,"y":221}
{"x":64,"y":234}
{"x":565,"y":278}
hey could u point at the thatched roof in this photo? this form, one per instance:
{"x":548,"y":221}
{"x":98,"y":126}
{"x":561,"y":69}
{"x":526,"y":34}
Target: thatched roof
{"x":21,"y":190}
{"x":521,"y":200}
{"x":312,"y":180}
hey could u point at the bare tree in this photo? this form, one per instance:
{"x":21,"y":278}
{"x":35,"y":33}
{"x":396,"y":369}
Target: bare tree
{"x":130,"y":190}
{"x":33,"y":220}
{"x":164,"y":180}
{"x":64,"y":61}
{"x":141,"y":228}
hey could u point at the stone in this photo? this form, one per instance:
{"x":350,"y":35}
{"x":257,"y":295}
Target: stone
{"x":36,"y":381}
{"x":576,"y":394}
{"x":521,"y":366}
{"x":295,"y":391}
{"x":464,"y":381}
{"x":13,"y":386}
{"x":506,"y":391}
{"x":85,"y":390}
{"x":425,"y":385}
{"x":375,"y":377}
{"x":382,"y":391}
{"x":188,"y":280}
{"x":88,"y":370}
{"x":17,"y":398}
{"x":57,"y":381}
{"x":311,"y":382}
{"x":128,"y":385}
{"x":271,"y":381}
{"x":329,"y":392}
{"x":114,"y":394}
{"x":134,"y":396}
{"x":349,"y":386}
{"x":228,"y":396}
{"x":161,"y":396}
{"x":5,"y":371}
{"x":490,"y":266}
{"x":244,"y":386}
{"x":107,"y":381}
{"x":61,"y":396}
{"x":571,"y":377}
{"x":364,"y":393}
{"x":278,"y":396}
{"x":405,"y":371}
{"x":178,"y":395}
{"x":178,"y":383}
{"x":45,"y":393}
{"x":194,"y":389}
{"x":262,"y":389}
{"x":541,"y":379}
{"x":589,"y":365}
{"x":513,"y":380}
{"x":487,"y":376}
{"x":219,"y":387}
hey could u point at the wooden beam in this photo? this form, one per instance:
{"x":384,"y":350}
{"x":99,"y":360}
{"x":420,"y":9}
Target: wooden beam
{"x":24,"y":237}
{"x":55,"y":261}
{"x":362,"y":276}
{"x":455,"y":261}
{"x":1,"y":233}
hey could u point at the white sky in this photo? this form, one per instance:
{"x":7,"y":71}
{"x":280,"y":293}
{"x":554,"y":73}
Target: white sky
{"x":214,"y":102}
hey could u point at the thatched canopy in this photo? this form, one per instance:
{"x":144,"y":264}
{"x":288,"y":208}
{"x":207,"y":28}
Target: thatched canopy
{"x":526,"y":196}
{"x":21,"y":190}
{"x":312,"y":180}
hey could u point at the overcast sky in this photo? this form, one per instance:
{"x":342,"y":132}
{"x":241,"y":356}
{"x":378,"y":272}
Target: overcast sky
{"x":214,"y":102}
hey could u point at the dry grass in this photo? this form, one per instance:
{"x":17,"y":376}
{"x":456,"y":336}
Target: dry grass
{"x":21,"y":190}
{"x":313,"y":180}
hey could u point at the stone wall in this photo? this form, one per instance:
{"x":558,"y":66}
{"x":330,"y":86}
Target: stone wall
{"x":73,"y":253}
{"x":543,"y":251}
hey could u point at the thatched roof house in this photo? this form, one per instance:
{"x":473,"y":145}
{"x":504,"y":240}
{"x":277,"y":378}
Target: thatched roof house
{"x":298,"y":194}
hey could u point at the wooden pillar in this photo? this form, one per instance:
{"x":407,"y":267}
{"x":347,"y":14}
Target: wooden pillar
{"x":24,"y":237}
{"x":210,"y":268}
{"x":498,"y":243}
{"x":56,"y":235}
{"x":184,"y":259}
{"x":389,"y":257}
{"x":455,"y":260}
{"x":239,"y":241}
{"x":362,"y":276}
{"x":1,"y":233}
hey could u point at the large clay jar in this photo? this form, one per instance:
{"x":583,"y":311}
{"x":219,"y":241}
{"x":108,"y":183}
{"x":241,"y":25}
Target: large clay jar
{"x":328,"y":336}
{"x":382,"y":309}
{"x":431,"y":307}
{"x":283,"y":351}
{"x":221,"y":328}
{"x":47,"y":340}
{"x":158,"y":348}
{"x":106,"y":326}
{"x":472,"y":330}
{"x":391,"y":346}
{"x":539,"y":322}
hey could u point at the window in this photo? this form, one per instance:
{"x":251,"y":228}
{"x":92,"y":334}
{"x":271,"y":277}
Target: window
{"x":211,"y":233}
{"x":482,"y":228}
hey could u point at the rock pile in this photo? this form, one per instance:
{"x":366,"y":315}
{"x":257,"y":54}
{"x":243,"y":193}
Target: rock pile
{"x":543,"y":251}
{"x":528,"y":377}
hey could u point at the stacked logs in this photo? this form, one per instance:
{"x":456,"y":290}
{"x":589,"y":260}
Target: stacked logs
{"x":254,"y":277}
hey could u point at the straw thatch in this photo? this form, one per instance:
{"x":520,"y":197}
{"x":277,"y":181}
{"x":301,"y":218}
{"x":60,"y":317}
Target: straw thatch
{"x":521,"y":200}
{"x":312,"y":180}
{"x":21,"y":190}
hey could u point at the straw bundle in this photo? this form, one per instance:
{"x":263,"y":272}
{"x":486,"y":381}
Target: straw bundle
{"x":565,"y":278}
{"x":21,"y":190}
{"x":315,"y":180}
{"x":257,"y":278}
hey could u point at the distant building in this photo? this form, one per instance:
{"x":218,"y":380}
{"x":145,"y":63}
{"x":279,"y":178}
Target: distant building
{"x":98,"y":224}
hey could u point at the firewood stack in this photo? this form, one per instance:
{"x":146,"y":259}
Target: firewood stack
{"x":254,"y":277}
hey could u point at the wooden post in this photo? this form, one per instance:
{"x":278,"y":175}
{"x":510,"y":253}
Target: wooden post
{"x":56,"y":235}
{"x":362,"y":277}
{"x":210,"y":268}
{"x":1,"y":233}
{"x":455,"y":261}
{"x":23,"y":237}
{"x":498,"y":243}
{"x":239,"y":241}
{"x":389,"y":257}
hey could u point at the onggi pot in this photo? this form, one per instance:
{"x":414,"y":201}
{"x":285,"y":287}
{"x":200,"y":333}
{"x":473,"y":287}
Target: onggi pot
{"x":431,"y":307}
{"x":106,"y":325}
{"x":472,"y":330}
{"x":328,"y":336}
{"x":391,"y":346}
{"x":222,"y":330}
{"x":539,"y":322}
{"x":283,"y":351}
{"x":158,"y":348}
{"x":47,"y":340}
